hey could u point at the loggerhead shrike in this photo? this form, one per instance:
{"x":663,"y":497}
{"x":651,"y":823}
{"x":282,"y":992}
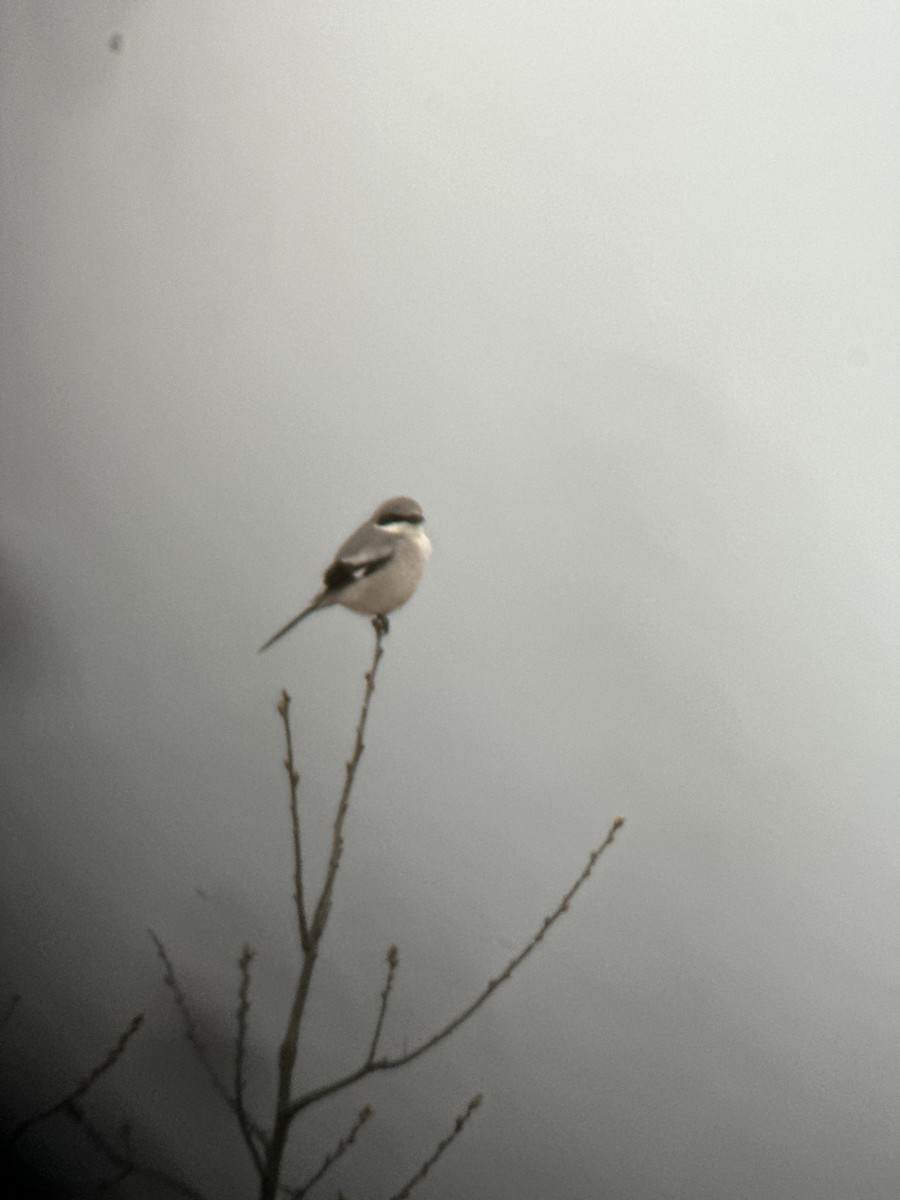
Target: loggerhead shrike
{"x":378,"y":567}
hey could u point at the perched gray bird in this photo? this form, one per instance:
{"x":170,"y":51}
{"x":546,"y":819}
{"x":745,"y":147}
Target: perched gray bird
{"x":378,"y":567}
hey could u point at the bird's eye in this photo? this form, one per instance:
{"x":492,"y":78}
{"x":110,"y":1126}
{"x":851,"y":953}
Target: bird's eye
{"x":400,"y":519}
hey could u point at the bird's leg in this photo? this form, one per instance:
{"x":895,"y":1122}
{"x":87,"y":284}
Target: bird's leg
{"x":382,"y":624}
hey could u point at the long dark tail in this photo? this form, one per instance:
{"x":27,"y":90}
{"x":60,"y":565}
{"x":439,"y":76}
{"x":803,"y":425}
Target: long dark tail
{"x":290,"y":625}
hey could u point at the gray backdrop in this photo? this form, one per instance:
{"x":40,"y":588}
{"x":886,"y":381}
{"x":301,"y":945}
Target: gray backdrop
{"x":613,"y":291}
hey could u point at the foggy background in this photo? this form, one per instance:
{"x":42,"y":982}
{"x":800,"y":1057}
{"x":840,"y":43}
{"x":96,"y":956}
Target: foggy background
{"x":612,"y":290}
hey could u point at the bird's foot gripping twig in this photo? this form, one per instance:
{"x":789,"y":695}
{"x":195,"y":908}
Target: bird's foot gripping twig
{"x":381,"y":625}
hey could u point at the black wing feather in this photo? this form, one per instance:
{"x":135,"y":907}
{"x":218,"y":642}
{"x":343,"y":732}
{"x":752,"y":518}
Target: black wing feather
{"x":341,"y":572}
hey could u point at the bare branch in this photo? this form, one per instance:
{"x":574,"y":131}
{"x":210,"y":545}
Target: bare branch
{"x":126,"y":1163}
{"x":337,"y":840}
{"x":293,"y":774}
{"x":107,"y":1185}
{"x":240,"y":1049}
{"x":187,"y":1019}
{"x":85,"y":1084}
{"x":342,"y":1147}
{"x":388,"y":1064}
{"x":287,"y":1054}
{"x":192,"y":1035}
{"x":441,"y":1147}
{"x":122,"y":1172}
{"x":393,"y":959}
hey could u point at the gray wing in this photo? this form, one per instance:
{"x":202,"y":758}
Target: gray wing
{"x":364,"y":552}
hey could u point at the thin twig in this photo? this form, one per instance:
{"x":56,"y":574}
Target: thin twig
{"x":240,"y":1050}
{"x":126,"y":1162}
{"x":107,"y":1185}
{"x":388,"y":1064}
{"x":337,"y":839}
{"x":393,"y":959}
{"x":123,"y":1172}
{"x":293,"y":775}
{"x":187,"y":1019}
{"x":192,"y":1035}
{"x":85,"y":1084}
{"x":441,"y":1147}
{"x":342,"y":1147}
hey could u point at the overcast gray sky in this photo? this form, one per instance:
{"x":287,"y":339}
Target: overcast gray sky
{"x":614,"y":291}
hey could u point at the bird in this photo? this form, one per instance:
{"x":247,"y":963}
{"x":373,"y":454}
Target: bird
{"x":377,"y":569}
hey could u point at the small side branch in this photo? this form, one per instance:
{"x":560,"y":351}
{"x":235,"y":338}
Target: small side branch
{"x":122,"y":1172}
{"x":187,"y":1019}
{"x":193,"y":1037}
{"x":389,"y":1064}
{"x":330,"y":1159}
{"x":240,"y":1053}
{"x":125,"y":1161}
{"x":393,"y":960}
{"x":494,"y":983}
{"x":85,"y":1084}
{"x":426,"y":1166}
{"x":293,"y":775}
